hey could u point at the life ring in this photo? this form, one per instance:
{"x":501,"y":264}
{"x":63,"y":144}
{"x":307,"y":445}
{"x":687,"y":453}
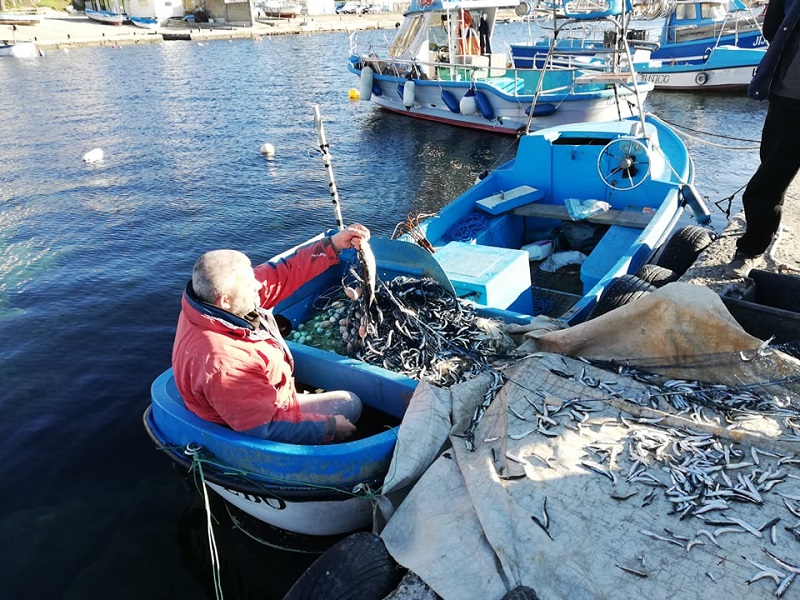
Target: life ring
{"x":701,"y":78}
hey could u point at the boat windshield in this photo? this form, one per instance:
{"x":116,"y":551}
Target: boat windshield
{"x":410,"y":36}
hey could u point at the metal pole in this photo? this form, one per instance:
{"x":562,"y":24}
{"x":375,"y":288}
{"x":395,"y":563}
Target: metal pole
{"x":326,"y":157}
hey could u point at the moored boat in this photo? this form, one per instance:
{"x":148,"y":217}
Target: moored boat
{"x":705,"y":44}
{"x":108,"y":12}
{"x":311,"y":490}
{"x":19,"y":49}
{"x":595,"y":198}
{"x":145,"y":22}
{"x":441,"y":67}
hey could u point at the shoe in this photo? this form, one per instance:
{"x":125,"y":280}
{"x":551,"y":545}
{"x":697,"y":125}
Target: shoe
{"x":741,"y":265}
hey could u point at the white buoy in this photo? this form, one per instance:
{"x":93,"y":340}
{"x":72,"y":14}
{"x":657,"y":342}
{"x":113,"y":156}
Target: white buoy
{"x":365,"y":83}
{"x":93,"y":156}
{"x":467,"y":104}
{"x":409,"y":93}
{"x":268,"y":150}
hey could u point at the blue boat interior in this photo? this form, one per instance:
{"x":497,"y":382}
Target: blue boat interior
{"x":525,"y":202}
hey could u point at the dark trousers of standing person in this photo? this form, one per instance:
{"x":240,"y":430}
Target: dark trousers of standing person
{"x":780,"y":162}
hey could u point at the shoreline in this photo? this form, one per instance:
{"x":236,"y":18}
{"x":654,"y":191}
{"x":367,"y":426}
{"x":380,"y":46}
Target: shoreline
{"x":59,"y":31}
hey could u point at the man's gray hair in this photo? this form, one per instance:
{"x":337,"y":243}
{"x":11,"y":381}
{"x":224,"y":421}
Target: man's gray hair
{"x":215,"y":273}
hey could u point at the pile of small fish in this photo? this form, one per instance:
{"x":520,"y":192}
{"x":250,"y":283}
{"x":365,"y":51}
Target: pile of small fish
{"x":704,"y":478}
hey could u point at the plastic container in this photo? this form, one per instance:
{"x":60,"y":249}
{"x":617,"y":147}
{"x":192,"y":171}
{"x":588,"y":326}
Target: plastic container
{"x":539,"y":250}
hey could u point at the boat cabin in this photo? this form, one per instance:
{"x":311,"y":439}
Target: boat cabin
{"x":692,"y":20}
{"x":441,"y":31}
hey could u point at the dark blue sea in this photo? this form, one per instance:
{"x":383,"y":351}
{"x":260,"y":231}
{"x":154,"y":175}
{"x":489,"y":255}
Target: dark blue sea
{"x":93,"y":259}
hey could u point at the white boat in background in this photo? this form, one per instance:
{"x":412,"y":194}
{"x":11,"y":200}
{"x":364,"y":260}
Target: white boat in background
{"x":436,"y":69}
{"x":19,"y":49}
{"x":151,"y":14}
{"x":284,"y":9}
{"x":105,"y":11}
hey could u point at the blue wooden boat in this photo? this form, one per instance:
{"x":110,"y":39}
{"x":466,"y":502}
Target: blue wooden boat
{"x":485,"y":238}
{"x":435,"y":70}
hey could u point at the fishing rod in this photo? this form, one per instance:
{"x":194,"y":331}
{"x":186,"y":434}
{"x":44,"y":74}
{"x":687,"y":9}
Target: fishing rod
{"x":326,"y":157}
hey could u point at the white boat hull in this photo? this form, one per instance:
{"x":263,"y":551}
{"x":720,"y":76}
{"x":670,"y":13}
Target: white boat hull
{"x":106,"y":17}
{"x":330,"y":517}
{"x":699,"y":79}
{"x":19,"y":50}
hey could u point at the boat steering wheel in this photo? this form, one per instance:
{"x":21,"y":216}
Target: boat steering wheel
{"x":624,"y":163}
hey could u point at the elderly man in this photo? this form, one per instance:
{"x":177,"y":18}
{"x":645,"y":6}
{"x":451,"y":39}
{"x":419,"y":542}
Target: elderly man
{"x":231,"y":363}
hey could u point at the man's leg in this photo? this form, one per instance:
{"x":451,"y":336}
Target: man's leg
{"x":780,"y":161}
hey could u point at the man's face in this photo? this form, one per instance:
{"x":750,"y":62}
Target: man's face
{"x":246,"y":297}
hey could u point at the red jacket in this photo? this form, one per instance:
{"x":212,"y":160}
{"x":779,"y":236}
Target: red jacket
{"x":231,"y":373}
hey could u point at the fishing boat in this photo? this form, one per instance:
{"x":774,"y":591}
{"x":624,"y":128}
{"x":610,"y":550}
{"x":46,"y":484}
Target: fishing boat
{"x":700,"y":45}
{"x":704,"y":45}
{"x":19,"y":49}
{"x":441,"y":67}
{"x":579,"y":207}
{"x":310,"y":490}
{"x":108,"y":12}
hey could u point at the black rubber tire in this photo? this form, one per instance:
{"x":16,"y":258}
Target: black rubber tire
{"x":357,"y":568}
{"x":621,"y":291}
{"x":683,"y":248}
{"x":657,"y":276}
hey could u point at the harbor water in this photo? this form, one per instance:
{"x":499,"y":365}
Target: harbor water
{"x":94,"y":257}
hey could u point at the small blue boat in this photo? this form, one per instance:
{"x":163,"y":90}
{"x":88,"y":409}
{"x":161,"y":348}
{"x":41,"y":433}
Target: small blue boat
{"x":607,"y":194}
{"x":312,"y":490}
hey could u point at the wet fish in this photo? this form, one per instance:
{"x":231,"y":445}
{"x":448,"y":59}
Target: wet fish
{"x":369,"y":268}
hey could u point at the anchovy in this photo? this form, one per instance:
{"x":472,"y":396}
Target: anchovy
{"x":369,"y":268}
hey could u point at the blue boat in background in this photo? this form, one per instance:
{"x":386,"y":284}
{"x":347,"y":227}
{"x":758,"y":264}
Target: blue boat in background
{"x":706,"y":44}
{"x":701,"y":44}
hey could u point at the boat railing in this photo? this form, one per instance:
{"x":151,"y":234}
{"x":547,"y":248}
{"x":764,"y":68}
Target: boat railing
{"x":512,"y":81}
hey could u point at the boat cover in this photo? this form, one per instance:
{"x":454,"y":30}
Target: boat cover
{"x":526,"y":508}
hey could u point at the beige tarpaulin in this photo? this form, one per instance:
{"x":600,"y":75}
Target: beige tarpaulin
{"x":577,"y":487}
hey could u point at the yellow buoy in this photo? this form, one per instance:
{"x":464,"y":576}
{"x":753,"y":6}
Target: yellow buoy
{"x":353,"y":94}
{"x":268,"y":150}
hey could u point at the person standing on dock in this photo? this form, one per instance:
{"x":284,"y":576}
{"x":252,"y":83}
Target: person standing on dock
{"x":777,"y":78}
{"x":230,"y":362}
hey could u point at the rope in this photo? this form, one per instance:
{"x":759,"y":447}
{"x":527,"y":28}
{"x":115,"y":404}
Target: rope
{"x":710,"y":134}
{"x":197,"y":463}
{"x":467,"y":228}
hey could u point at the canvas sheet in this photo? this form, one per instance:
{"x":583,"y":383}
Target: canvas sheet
{"x":568,"y":492}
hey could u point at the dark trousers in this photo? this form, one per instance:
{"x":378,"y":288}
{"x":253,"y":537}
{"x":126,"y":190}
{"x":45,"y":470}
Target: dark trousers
{"x":780,"y":162}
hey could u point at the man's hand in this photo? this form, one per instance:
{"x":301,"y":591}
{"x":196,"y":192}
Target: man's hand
{"x":350,"y":237}
{"x":344,"y":428}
